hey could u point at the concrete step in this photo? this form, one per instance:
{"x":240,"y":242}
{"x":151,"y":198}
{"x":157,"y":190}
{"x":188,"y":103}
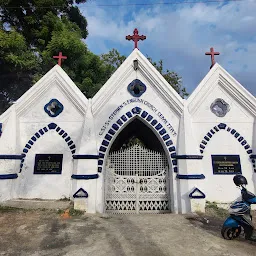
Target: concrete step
{"x":37,"y":204}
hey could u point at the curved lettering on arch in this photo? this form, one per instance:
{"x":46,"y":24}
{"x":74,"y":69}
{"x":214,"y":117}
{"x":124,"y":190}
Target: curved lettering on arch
{"x":146,"y":103}
{"x":137,"y":111}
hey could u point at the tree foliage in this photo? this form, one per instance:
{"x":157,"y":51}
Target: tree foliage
{"x":171,"y":77}
{"x":114,"y":60}
{"x":32,"y":31}
{"x":17,"y":65}
{"x":37,"y":19}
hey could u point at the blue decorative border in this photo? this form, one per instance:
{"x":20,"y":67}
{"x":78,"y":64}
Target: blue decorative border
{"x":190,"y":176}
{"x":85,"y":176}
{"x":8,"y":176}
{"x":1,"y":129}
{"x":40,"y":133}
{"x":85,"y":156}
{"x":140,"y":84}
{"x":189,"y":157}
{"x":197,"y":197}
{"x":58,"y":112}
{"x":237,"y":135}
{"x":14,"y":157}
{"x":80,"y":190}
{"x":137,"y":112}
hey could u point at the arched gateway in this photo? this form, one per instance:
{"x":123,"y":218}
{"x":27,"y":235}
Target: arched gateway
{"x":137,"y":172}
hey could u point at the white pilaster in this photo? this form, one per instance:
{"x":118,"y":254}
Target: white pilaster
{"x":8,"y":146}
{"x":87,"y":166}
{"x":187,"y":146}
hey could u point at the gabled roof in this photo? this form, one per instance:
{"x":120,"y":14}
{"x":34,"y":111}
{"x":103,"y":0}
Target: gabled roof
{"x":149,"y":72}
{"x":219,"y":76}
{"x":56,"y":76}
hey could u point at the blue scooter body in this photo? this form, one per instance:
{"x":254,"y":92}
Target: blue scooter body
{"x":230,"y":222}
{"x":240,"y":215}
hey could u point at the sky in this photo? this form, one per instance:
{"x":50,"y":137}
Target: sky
{"x":179,"y":34}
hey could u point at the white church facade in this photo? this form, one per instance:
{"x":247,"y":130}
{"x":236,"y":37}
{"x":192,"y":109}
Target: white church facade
{"x":55,"y":143}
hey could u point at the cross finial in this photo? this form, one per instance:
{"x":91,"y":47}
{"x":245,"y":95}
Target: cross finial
{"x":135,"y":38}
{"x":212,"y":53}
{"x":60,"y":57}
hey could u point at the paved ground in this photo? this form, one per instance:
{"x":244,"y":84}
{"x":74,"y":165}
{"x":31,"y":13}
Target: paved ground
{"x":37,"y":233}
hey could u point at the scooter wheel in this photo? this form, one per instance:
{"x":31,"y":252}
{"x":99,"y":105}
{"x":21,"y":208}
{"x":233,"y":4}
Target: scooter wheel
{"x":230,"y":233}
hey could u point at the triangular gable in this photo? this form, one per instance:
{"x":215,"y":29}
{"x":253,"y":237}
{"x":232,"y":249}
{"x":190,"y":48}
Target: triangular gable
{"x":219,"y":76}
{"x":149,"y":72}
{"x":56,"y":76}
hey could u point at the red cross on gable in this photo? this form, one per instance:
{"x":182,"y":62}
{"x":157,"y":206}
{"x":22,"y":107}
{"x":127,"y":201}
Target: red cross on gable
{"x":212,"y":53}
{"x":135,"y":37}
{"x":60,"y":57}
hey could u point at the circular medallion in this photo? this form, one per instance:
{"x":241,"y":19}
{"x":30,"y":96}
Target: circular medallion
{"x":219,"y":107}
{"x":136,"y":88}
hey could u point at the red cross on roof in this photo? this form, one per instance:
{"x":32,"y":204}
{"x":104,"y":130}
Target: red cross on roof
{"x":135,"y":37}
{"x":60,"y":57}
{"x":212,"y":53}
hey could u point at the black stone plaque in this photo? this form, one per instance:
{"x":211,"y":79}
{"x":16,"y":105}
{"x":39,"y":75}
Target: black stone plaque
{"x":48,"y":164}
{"x":226,"y":164}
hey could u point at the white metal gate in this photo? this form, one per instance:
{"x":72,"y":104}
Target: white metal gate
{"x":137,"y":181}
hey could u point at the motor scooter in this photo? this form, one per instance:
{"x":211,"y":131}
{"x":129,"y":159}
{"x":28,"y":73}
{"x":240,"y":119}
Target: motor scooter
{"x":240,"y":218}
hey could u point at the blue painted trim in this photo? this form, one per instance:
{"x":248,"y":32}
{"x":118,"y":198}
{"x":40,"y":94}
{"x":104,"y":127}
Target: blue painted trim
{"x":189,"y":157}
{"x":78,"y":191}
{"x":233,"y":132}
{"x":85,"y":176}
{"x":8,"y":176}
{"x":197,"y":197}
{"x":134,"y":83}
{"x":1,"y":129}
{"x":137,"y":111}
{"x":190,"y":176}
{"x":15,"y":157}
{"x":42,"y":131}
{"x":58,"y":112}
{"x":85,"y":156}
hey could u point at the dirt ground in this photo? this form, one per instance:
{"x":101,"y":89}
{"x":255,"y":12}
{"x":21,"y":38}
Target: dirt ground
{"x":37,"y":232}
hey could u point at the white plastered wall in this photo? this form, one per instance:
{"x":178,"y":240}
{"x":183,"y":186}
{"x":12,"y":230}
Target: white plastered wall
{"x":30,"y":117}
{"x":219,"y":84}
{"x":114,"y":94}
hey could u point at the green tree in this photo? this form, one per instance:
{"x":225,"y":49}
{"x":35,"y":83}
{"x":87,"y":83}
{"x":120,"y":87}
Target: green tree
{"x":37,"y":19}
{"x":171,"y":77}
{"x":41,"y":29}
{"x":114,"y":60}
{"x":86,"y":69}
{"x":17,"y":66}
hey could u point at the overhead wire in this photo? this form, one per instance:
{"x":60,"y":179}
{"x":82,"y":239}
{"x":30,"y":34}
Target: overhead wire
{"x":128,"y":4}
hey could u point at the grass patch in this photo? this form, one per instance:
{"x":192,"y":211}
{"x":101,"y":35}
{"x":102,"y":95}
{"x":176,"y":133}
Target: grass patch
{"x":10,"y":209}
{"x":74,"y":212}
{"x":64,"y":199}
{"x":212,"y":209}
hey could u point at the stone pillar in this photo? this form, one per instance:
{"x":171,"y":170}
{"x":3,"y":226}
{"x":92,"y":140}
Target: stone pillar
{"x":190,"y":170}
{"x":85,"y":166}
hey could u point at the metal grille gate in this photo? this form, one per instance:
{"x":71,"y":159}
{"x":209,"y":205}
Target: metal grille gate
{"x":137,"y":181}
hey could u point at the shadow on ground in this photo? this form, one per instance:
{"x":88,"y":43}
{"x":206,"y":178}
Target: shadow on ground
{"x":212,"y":222}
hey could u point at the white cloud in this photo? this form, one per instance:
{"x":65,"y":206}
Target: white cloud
{"x":180,"y":36}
